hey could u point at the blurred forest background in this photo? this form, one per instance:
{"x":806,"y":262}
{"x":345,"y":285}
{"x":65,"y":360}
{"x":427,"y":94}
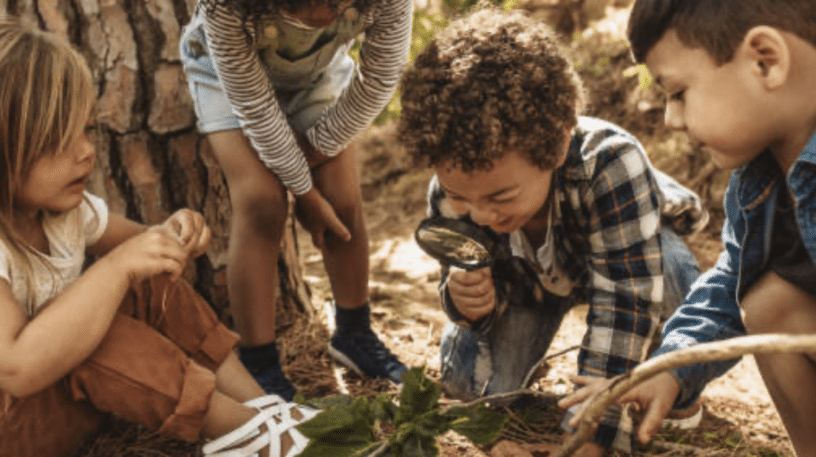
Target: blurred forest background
{"x":151,"y":161}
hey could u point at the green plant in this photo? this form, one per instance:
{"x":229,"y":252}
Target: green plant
{"x":356,"y":427}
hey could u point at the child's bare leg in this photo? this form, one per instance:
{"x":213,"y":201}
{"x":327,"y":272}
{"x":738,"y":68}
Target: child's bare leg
{"x":233,"y":380}
{"x":773,"y":305}
{"x":353,"y":343}
{"x":259,"y":211}
{"x":346,"y":262}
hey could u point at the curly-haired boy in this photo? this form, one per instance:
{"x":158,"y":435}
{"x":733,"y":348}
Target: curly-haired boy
{"x":493,"y":106}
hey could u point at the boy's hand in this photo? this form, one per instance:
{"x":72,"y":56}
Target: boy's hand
{"x":656,"y":397}
{"x":472,"y":292}
{"x":591,"y":387}
{"x":317,"y":216}
{"x":152,"y":252}
{"x":191,"y":230}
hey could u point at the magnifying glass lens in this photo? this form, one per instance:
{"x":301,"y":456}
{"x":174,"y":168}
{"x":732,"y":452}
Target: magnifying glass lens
{"x":454,"y":242}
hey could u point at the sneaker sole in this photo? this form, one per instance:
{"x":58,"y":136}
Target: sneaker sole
{"x":340,"y":357}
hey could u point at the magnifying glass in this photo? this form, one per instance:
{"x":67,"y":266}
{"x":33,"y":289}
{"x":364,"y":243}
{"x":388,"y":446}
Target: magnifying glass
{"x":460,"y":243}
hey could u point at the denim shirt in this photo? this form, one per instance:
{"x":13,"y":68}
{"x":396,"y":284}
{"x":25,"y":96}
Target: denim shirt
{"x":711,"y":310}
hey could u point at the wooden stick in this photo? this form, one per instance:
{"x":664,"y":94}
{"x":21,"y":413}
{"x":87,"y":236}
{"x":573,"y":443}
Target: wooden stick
{"x":700,"y":353}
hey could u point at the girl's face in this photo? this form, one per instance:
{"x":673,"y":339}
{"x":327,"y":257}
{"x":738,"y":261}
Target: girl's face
{"x":56,"y":181}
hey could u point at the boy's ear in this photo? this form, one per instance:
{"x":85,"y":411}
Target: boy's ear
{"x":768,"y":54}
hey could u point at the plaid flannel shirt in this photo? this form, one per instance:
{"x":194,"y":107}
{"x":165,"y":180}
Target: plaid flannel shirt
{"x":612,"y":202}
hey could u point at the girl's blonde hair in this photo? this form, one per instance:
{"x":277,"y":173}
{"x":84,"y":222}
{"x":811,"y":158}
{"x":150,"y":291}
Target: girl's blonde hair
{"x":46,"y":97}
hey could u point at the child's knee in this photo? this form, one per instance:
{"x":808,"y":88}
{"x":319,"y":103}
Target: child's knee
{"x":262,"y":209}
{"x":773,"y":304}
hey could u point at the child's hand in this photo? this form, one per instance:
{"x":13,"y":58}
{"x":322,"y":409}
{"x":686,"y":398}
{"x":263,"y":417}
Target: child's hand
{"x":656,"y":397}
{"x":472,"y":292}
{"x":150,"y":253}
{"x":317,"y":216}
{"x":591,"y":387}
{"x":191,"y":230}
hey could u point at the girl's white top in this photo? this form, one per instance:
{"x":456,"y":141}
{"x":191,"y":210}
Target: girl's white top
{"x":68,"y":234}
{"x":248,"y":55}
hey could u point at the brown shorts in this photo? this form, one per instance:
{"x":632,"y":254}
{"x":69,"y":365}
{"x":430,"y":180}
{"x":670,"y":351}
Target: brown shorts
{"x":155,"y":367}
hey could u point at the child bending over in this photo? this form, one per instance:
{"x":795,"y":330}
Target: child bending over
{"x":280,"y":100}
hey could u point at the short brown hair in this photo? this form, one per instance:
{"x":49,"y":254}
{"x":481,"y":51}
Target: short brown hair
{"x":718,"y":26}
{"x":489,"y":83}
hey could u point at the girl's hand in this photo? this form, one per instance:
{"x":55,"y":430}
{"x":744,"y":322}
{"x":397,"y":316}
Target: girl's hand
{"x":317,"y":216}
{"x":472,"y":292}
{"x":191,"y":230}
{"x":152,"y":252}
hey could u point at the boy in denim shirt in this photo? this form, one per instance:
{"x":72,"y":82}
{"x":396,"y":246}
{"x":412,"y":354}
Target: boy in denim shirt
{"x":493,"y":106}
{"x":740,"y":79}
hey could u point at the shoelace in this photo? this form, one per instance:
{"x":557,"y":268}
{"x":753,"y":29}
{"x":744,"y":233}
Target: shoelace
{"x":270,"y":407}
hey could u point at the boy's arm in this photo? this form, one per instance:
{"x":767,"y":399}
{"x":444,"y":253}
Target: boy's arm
{"x":710,"y":311}
{"x":438,"y":207}
{"x":383,"y":55}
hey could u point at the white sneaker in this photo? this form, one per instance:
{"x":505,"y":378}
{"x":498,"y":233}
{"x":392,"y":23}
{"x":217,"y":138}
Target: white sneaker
{"x":685,"y":419}
{"x":247,"y":440}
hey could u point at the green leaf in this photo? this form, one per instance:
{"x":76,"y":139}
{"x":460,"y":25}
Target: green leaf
{"x":420,"y":446}
{"x":383,"y":407}
{"x":342,"y":424}
{"x":418,"y":396}
{"x":325,"y":402}
{"x":433,"y":423}
{"x":477,"y":423}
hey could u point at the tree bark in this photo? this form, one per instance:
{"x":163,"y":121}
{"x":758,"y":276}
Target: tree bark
{"x":151,"y":160}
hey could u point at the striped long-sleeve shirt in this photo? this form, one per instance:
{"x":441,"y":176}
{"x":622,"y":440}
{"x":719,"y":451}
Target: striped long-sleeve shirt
{"x":233,"y":47}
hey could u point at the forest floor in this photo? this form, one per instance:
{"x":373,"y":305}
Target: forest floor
{"x":739,"y":417}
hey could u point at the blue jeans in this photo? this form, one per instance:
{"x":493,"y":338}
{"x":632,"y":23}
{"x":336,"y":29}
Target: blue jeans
{"x":475,"y":365}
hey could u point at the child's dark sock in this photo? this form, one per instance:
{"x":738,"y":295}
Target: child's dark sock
{"x":263,"y":363}
{"x":352,"y":320}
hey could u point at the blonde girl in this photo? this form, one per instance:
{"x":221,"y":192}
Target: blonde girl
{"x":280,"y":101}
{"x":125,"y":336}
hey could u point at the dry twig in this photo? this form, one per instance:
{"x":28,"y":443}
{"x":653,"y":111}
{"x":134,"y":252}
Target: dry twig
{"x":705,"y":352}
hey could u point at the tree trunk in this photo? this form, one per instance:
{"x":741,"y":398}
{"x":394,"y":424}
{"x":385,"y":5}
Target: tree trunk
{"x":151,"y":160}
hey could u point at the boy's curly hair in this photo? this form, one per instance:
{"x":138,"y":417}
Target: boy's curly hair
{"x":490,"y":83}
{"x":717,"y":26}
{"x":252,"y":8}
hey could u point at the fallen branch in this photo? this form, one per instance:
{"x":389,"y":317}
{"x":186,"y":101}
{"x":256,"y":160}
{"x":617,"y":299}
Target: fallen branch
{"x":704,"y":352}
